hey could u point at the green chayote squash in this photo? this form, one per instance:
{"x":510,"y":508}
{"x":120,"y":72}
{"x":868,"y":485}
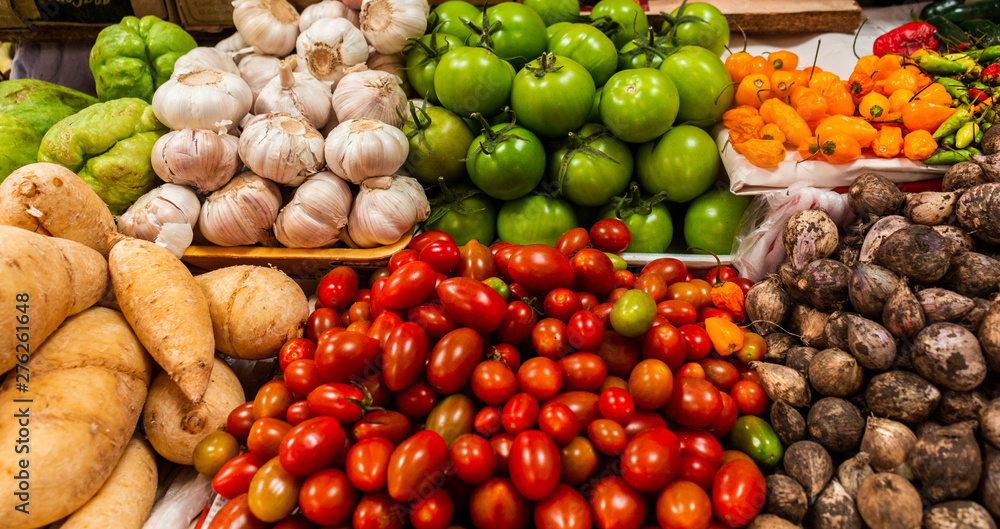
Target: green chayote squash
{"x":20,"y":144}
{"x":134,"y":57}
{"x":39,"y":103}
{"x":109,"y":145}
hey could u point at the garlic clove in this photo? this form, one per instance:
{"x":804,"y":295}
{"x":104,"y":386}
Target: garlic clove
{"x":258,"y":70}
{"x":232,"y":43}
{"x":282,"y":147}
{"x":201,"y":159}
{"x":296,"y":93}
{"x":175,"y":237}
{"x":270,"y":26}
{"x":203,"y":58}
{"x":389,"y":63}
{"x":370,"y":94}
{"x":167,"y":205}
{"x":201,"y":100}
{"x":329,"y":47}
{"x":242,"y":212}
{"x":359,"y":149}
{"x":317,"y":214}
{"x":389,"y":24}
{"x":327,"y":9}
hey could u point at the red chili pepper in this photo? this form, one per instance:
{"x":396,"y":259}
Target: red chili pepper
{"x":906,"y":39}
{"x":991,"y":73}
{"x":978,"y":96}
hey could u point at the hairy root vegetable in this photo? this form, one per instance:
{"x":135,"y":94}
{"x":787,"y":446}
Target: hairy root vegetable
{"x":902,"y":396}
{"x":835,"y":330}
{"x":903,"y":315}
{"x":835,"y":373}
{"x":978,"y":212}
{"x":958,"y":240}
{"x":767,"y":305}
{"x":778,"y":344}
{"x":888,"y":443}
{"x":783,"y":383}
{"x":930,"y":208}
{"x":949,"y":356}
{"x":823,"y":283}
{"x":800,"y":357}
{"x":873,"y":195}
{"x":788,"y":423}
{"x":167,"y":309}
{"x":871,"y":344}
{"x":809,"y":235}
{"x":43,"y":280}
{"x":126,"y":497}
{"x":770,"y":521}
{"x":989,"y":422}
{"x":852,"y":472}
{"x":972,"y":274}
{"x":958,"y":514}
{"x":962,"y":175}
{"x":834,"y":508}
{"x":869,"y":288}
{"x":808,"y":323}
{"x":785,"y":498}
{"x":989,"y":488}
{"x":989,"y":335}
{"x":941,"y":304}
{"x":960,"y":406}
{"x":917,"y":252}
{"x":810,"y":464}
{"x":879,"y":232}
{"x":947,"y":460}
{"x":836,"y":424}
{"x":889,"y":501}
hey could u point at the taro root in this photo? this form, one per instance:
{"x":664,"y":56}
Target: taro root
{"x":989,"y":335}
{"x":808,"y":323}
{"x":972,"y":274}
{"x":949,"y":355}
{"x":835,"y":330}
{"x":800,"y":357}
{"x":778,"y":344}
{"x":834,"y":509}
{"x":789,"y":277}
{"x":904,"y":356}
{"x":770,"y":521}
{"x":836,"y":424}
{"x":785,"y":498}
{"x":852,"y":472}
{"x":959,"y":406}
{"x":870,"y":343}
{"x":989,"y":488}
{"x":990,"y":164}
{"x":888,"y":443}
{"x":903,"y":316}
{"x":978,"y":212}
{"x":941,"y":304}
{"x":989,"y":422}
{"x":974,"y":318}
{"x":823,"y":283}
{"x":873,"y":195}
{"x":990,"y":144}
{"x":930,"y":208}
{"x":902,"y":396}
{"x":889,"y":501}
{"x":869,"y":288}
{"x":810,"y":464}
{"x":783,"y":383}
{"x":958,"y":514}
{"x":962,"y":175}
{"x":947,"y":461}
{"x":835,"y":373}
{"x":917,"y":252}
{"x":809,"y":235}
{"x":788,"y":423}
{"x":958,"y":240}
{"x":878,"y":232}
{"x":767,"y":305}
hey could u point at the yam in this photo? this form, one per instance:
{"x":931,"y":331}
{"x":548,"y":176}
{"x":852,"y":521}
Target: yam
{"x":167,"y":309}
{"x":783,"y":383}
{"x":809,"y":235}
{"x":800,"y":358}
{"x":174,"y":425}
{"x":254,"y":309}
{"x":962,"y":175}
{"x":869,"y":288}
{"x":930,"y":208}
{"x":788,"y":423}
{"x":835,"y":373}
{"x":835,"y":509}
{"x":835,"y":330}
{"x":878,"y":232}
{"x":770,"y":521}
{"x":958,"y":240}
{"x":889,"y":501}
{"x":917,"y":252}
{"x":873,"y":195}
{"x":989,"y":487}
{"x":808,"y":323}
{"x":823,"y":283}
{"x":972,"y":274}
{"x":49,"y":199}
{"x":853,"y":472}
{"x":43,"y":280}
{"x":949,"y":356}
{"x":767,"y":304}
{"x":978,"y":212}
{"x":947,"y":460}
{"x":778,"y":344}
{"x":989,"y":335}
{"x":836,"y":424}
{"x":960,"y":406}
{"x":810,"y":464}
{"x":903,"y":315}
{"x":871,"y":344}
{"x":127,"y":496}
{"x":88,"y":383}
{"x":888,"y":443}
{"x":958,"y":514}
{"x":785,"y":498}
{"x":941,"y":304}
{"x":989,"y":422}
{"x":902,"y":396}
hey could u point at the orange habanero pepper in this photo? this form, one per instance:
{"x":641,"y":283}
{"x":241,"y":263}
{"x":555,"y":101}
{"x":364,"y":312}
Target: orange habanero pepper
{"x":866,"y":65}
{"x":726,"y":336}
{"x":885,"y":65}
{"x":762,"y":153}
{"x":899,"y":80}
{"x":888,"y":143}
{"x":853,"y":126}
{"x":784,"y":60}
{"x":753,"y":90}
{"x":809,"y":149}
{"x":839,"y":99}
{"x":899,"y":99}
{"x":781,"y":82}
{"x":873,"y":105}
{"x":860,"y":85}
{"x":935,"y":93}
{"x":918,"y":145}
{"x":735,"y":116}
{"x":761,"y":65}
{"x":738,"y":65}
{"x":821,"y":80}
{"x":807,"y":102}
{"x":772,"y":131}
{"x":795,"y":129}
{"x":839,"y":148}
{"x":921,"y":115}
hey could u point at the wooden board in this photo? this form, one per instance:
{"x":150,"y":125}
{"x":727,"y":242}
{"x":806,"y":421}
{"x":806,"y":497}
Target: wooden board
{"x":781,"y":16}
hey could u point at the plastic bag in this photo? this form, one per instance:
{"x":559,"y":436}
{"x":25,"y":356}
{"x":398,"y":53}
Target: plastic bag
{"x":758,"y":247}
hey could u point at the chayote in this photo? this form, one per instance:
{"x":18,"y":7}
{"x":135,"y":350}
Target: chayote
{"x":39,"y":103}
{"x":20,"y":144}
{"x":134,"y":57}
{"x":109,"y":145}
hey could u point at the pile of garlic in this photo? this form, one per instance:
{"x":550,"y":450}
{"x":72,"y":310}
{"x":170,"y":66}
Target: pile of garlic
{"x":286,"y":133}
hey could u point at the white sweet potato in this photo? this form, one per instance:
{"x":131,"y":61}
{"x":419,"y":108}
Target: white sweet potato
{"x":49,"y":199}
{"x":127,"y":496}
{"x":87,"y":385}
{"x":43,"y":280}
{"x":167,"y":309}
{"x":254,"y":309}
{"x":174,"y":425}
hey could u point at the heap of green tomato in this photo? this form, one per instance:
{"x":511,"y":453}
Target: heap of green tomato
{"x":536,"y":120}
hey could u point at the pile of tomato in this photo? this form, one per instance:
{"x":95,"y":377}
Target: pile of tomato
{"x":500,"y":388}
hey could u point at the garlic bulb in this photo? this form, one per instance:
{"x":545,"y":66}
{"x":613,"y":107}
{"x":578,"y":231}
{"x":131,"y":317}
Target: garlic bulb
{"x":329,"y":47}
{"x":202,"y":99}
{"x":282,"y":147}
{"x":203,"y":58}
{"x":295,"y":93}
{"x":327,"y":9}
{"x":384,"y":211}
{"x":166,"y":215}
{"x":242,"y":212}
{"x":391,"y":64}
{"x":416,"y":191}
{"x":201,"y":159}
{"x":316,"y":214}
{"x":331,"y":124}
{"x":270,"y":26}
{"x":258,"y":70}
{"x":388,"y":24}
{"x":370,"y":94}
{"x":362,"y":148}
{"x":232,"y":43}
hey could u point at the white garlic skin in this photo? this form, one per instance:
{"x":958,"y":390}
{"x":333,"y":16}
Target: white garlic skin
{"x":232,"y":43}
{"x":201,"y":159}
{"x":205,"y":58}
{"x":165,"y":215}
{"x":370,"y":94}
{"x":296,"y":93}
{"x":329,"y":48}
{"x":388,"y":24}
{"x":203,"y":99}
{"x":258,"y":70}
{"x":270,"y":26}
{"x":392,"y":64}
{"x":384,"y":211}
{"x":242,"y":212}
{"x":282,"y":147}
{"x":317,"y":214}
{"x":359,"y":149}
{"x":327,"y":9}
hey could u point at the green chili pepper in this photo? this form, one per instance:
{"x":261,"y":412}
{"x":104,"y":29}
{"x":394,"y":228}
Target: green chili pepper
{"x":982,"y":130}
{"x":939,"y":7}
{"x":966,"y":133}
{"x":954,"y":87}
{"x":949,"y":157}
{"x":947,"y":141}
{"x":941,"y":65}
{"x":983,"y":32}
{"x":985,"y":9}
{"x":948,"y":32}
{"x":972,"y":151}
{"x":989,"y":55}
{"x":953,"y":123}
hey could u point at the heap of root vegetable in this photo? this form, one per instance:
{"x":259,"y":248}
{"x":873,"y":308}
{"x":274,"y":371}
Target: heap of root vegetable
{"x":883,"y":359}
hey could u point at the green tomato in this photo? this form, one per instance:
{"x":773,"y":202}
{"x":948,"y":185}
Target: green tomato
{"x":756,"y":438}
{"x":703,"y":85}
{"x":465,"y":214}
{"x":552,"y":96}
{"x":554,"y":30}
{"x":422,"y":61}
{"x":535,"y":219}
{"x":616,"y":261}
{"x":683,"y":163}
{"x":470,"y":80}
{"x":639,"y":105}
{"x":628,"y":15}
{"x":595,"y":109}
{"x":439,"y":141}
{"x":448,"y":19}
{"x":506,"y":161}
{"x":630,"y":60}
{"x":711,"y":33}
{"x":633,"y":313}
{"x":520,"y":36}
{"x":586,"y":45}
{"x":555,"y":11}
{"x":651,"y":232}
{"x":586,"y":178}
{"x":712,"y":219}
{"x":499,"y":286}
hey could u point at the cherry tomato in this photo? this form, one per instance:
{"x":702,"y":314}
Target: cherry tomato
{"x":670,"y":269}
{"x":712,"y":312}
{"x":375,"y":305}
{"x":327,"y":497}
{"x":540,"y":267}
{"x":738,"y":493}
{"x":345,"y":355}
{"x":311,"y":446}
{"x":666,"y":344}
{"x":453,"y":359}
{"x":650,"y":459}
{"x":501,"y":258}
{"x":750,"y":397}
{"x":416,"y":464}
{"x":453,"y":417}
{"x":691,"y":369}
{"x":472,"y":303}
{"x":696,"y":341}
{"x":594,"y":271}
{"x":404,"y":355}
{"x":299,"y":412}
{"x":581,"y":372}
{"x":548,"y":336}
{"x":620,"y":355}
{"x":616,"y":404}
{"x":613,"y":382}
{"x":603,"y":311}
{"x":377,"y":274}
{"x":565,"y":508}
{"x":442,"y":256}
{"x":233,"y":479}
{"x":517,"y":323}
{"x":744,"y":283}
{"x":585,"y":331}
{"x":337,"y":288}
{"x":520,"y":413}
{"x":587,"y":300}
{"x":402,"y":257}
{"x":694,"y":403}
{"x":677,"y":312}
{"x":727,"y":419}
{"x":235,"y":514}
{"x":496,"y":504}
{"x":534,"y":464}
{"x":651,"y":383}
{"x":433,"y":511}
{"x":652,"y":284}
{"x":488,"y":421}
{"x":616,"y":505}
{"x":266,"y":435}
{"x":507,"y":354}
{"x":624,"y":279}
{"x":240,"y":420}
{"x":493,"y":382}
{"x":748,"y":373}
{"x":696,"y":470}
{"x":296,"y":349}
{"x":642,"y":421}
{"x":274,"y":493}
{"x":501,"y":444}
{"x":704,"y":288}
{"x":320,"y":320}
{"x":683,"y":505}
{"x":579,"y":461}
{"x":610,"y":235}
{"x":363,"y":294}
{"x":377,"y":510}
{"x":302,"y":376}
{"x":720,"y":373}
{"x":368,"y":463}
{"x":433,"y":319}
{"x":608,"y":436}
{"x":476,"y":261}
{"x":561,"y":303}
{"x":416,"y":401}
{"x":383,"y":324}
{"x":331,"y":399}
{"x":573,"y":241}
{"x":732,"y":455}
{"x":473,"y":458}
{"x":583,"y":404}
{"x":360,"y":311}
{"x":539,"y":377}
{"x":388,"y":424}
{"x":421,"y":241}
{"x":299,"y":521}
{"x":753,"y":350}
{"x":558,"y":422}
{"x":408,"y":286}
{"x":686,"y":292}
